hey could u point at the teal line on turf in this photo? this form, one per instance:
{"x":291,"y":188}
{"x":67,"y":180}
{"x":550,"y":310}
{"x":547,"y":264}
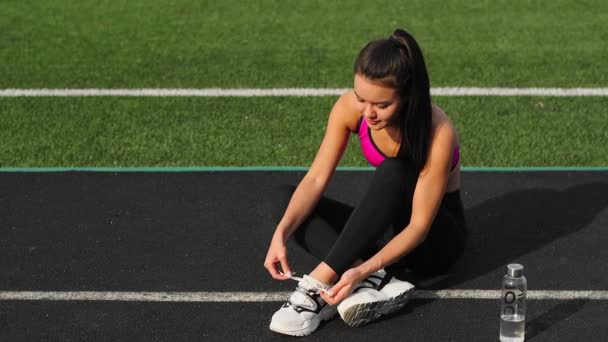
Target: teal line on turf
{"x":532,"y":168}
{"x":281,"y":168}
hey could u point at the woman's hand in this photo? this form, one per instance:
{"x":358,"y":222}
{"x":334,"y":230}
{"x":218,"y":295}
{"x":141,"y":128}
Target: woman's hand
{"x":343,"y":287}
{"x":277,"y":254}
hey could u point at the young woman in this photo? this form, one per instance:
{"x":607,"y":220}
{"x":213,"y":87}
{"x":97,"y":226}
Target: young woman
{"x":411,"y":214}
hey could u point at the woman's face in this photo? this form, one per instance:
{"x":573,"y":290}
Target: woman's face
{"x":378,"y":103}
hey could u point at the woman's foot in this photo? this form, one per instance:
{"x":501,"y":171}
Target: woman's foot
{"x":304,"y":310}
{"x":377,"y":295}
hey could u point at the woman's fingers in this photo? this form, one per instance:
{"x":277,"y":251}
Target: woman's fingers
{"x":337,"y":297}
{"x":285,"y":266}
{"x":326,"y":297}
{"x":337,"y":287}
{"x":276,"y":259}
{"x":277,"y":255}
{"x":337,"y":293}
{"x":272,"y":267}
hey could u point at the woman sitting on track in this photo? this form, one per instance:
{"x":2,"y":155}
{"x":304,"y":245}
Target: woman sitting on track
{"x":411,"y":211}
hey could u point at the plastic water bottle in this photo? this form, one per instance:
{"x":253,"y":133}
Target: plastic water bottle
{"x":513,"y":304}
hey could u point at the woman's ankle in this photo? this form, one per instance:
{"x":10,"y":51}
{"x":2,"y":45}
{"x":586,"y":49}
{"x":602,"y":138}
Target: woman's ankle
{"x":324,"y":274}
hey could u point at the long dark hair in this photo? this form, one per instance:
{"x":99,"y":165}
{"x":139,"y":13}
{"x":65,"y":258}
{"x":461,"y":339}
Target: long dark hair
{"x":397,"y":62}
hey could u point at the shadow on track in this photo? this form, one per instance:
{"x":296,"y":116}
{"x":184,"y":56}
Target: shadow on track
{"x":506,"y":227}
{"x":517,"y":223}
{"x":557,"y":313}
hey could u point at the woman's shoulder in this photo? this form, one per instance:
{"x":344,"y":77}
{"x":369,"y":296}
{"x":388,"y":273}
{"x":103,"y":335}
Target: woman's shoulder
{"x":346,"y":105}
{"x":442,"y":124}
{"x":440,"y":117}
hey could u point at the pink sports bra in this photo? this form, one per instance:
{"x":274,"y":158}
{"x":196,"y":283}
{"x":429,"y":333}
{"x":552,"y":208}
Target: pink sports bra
{"x":373,"y":154}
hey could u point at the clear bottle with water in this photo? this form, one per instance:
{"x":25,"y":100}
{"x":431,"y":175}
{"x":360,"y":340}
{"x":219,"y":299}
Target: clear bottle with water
{"x":513,"y":304}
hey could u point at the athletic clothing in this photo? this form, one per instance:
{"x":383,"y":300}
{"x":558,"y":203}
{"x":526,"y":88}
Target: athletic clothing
{"x":339,"y":234}
{"x":374,"y":155}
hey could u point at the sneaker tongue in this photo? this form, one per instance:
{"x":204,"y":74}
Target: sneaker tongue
{"x":310,"y":283}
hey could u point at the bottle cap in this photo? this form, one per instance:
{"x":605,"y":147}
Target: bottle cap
{"x":515,"y":270}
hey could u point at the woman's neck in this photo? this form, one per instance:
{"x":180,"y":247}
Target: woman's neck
{"x":394,"y":133}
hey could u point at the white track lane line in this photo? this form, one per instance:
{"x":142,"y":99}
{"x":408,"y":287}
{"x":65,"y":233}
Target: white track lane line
{"x":216,"y":92}
{"x":273,"y":296}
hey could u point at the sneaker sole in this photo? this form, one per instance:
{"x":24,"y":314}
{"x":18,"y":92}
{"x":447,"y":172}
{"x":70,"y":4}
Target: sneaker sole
{"x":361,"y":314}
{"x":314,"y":324}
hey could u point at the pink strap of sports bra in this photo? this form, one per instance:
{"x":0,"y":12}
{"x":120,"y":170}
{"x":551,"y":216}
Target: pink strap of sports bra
{"x":374,"y":156}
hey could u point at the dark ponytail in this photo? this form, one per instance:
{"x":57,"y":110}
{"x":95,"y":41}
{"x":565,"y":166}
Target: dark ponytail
{"x":397,"y":62}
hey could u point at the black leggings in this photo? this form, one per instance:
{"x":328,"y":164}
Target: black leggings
{"x":339,"y":234}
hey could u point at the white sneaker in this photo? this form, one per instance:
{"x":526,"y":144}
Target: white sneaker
{"x":379,"y":294}
{"x":304,"y":310}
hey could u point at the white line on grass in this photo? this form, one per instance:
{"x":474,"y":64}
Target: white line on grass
{"x":216,"y":92}
{"x":274,"y":296}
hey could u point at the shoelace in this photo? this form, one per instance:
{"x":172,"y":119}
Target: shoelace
{"x":298,"y":279}
{"x":291,"y":276}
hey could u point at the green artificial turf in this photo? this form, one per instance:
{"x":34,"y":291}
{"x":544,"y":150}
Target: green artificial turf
{"x":280,"y":131}
{"x":265,"y":44}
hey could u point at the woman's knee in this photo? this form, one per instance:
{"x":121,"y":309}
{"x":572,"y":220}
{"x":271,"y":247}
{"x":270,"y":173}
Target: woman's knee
{"x":397,"y":170}
{"x":395,"y":165}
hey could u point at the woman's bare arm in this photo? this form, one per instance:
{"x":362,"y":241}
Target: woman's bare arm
{"x":429,"y":191}
{"x":314,"y":183}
